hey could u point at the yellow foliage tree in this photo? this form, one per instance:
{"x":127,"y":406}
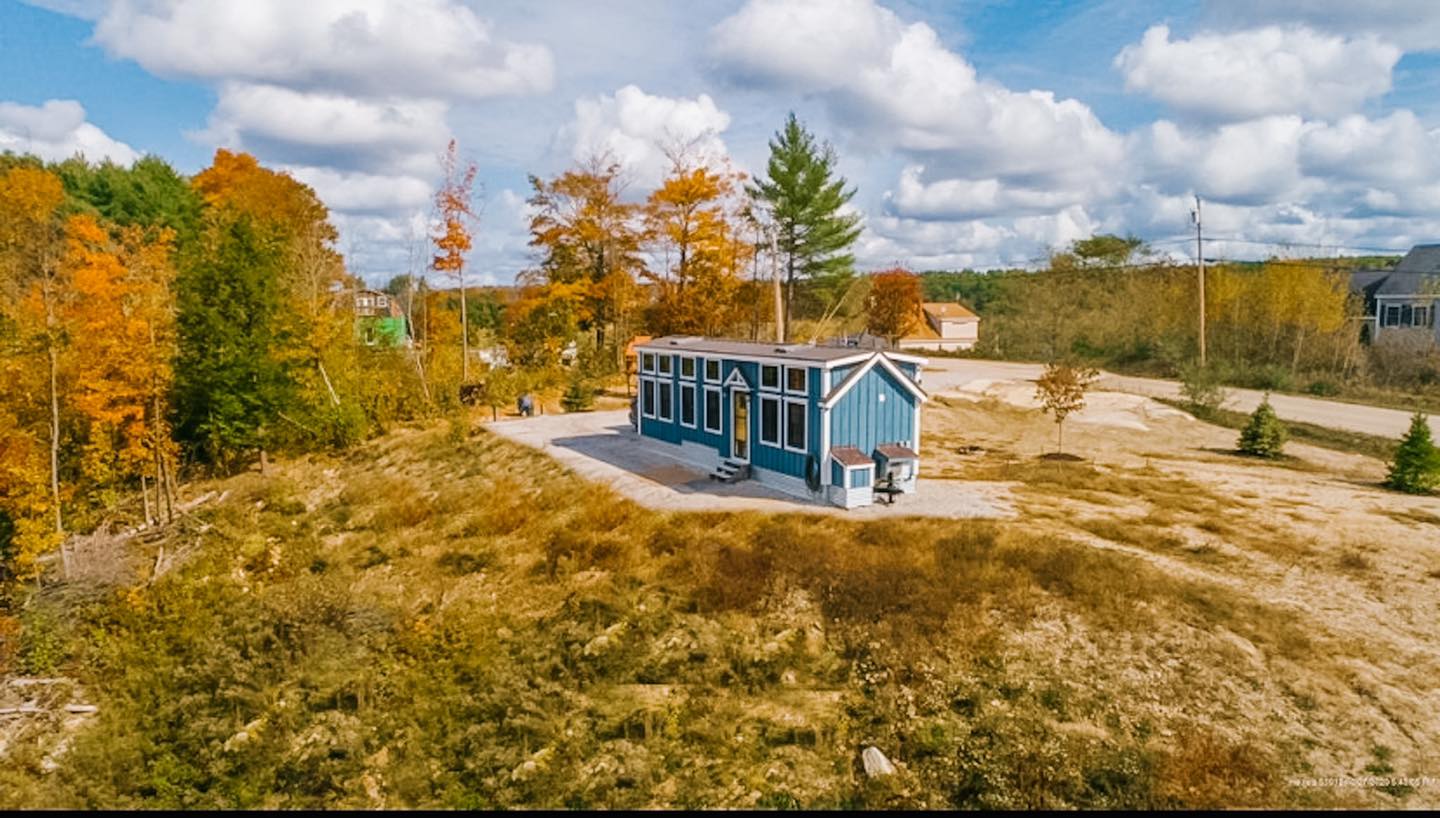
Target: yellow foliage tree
{"x":692,"y":220}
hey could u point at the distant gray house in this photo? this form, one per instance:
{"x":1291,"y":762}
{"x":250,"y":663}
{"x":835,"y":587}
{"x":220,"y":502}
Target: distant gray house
{"x":1404,"y":297}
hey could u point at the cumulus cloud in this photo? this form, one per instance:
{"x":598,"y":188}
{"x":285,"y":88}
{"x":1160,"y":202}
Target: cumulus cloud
{"x":316,"y":127}
{"x":435,"y":48}
{"x":642,"y":131}
{"x":975,"y":148}
{"x":1260,"y":72}
{"x":58,"y":130}
{"x":1411,"y":24}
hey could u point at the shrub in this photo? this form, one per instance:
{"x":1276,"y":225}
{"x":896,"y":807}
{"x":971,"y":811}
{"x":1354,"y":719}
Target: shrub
{"x":1264,"y":435}
{"x":1416,"y":468}
{"x":1323,"y":388}
{"x":579,"y":396}
{"x":1203,"y":388}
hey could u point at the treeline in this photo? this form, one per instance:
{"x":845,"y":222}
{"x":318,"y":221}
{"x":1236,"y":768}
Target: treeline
{"x":1278,"y":324}
{"x":150,"y":322}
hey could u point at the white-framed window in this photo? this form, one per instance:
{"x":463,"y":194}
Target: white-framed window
{"x":769,"y":376}
{"x":712,"y":409}
{"x":665,"y":400}
{"x":712,"y":370}
{"x":687,"y":404}
{"x":687,"y":368}
{"x":1423,"y":316}
{"x":647,"y":362}
{"x":859,"y":478}
{"x":1392,"y":316}
{"x":666,"y":364}
{"x":381,"y":301}
{"x":797,"y":414}
{"x":647,"y":397}
{"x":797,"y":380}
{"x":770,"y":420}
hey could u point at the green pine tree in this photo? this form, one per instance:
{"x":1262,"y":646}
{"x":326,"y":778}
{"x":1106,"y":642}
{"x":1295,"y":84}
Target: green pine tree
{"x":804,"y":196}
{"x":1416,"y":468}
{"x":1264,"y":435}
{"x":229,"y":388}
{"x":578,"y":396}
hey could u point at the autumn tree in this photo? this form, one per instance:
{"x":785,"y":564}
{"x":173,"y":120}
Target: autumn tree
{"x":805,"y":199}
{"x":455,"y":209}
{"x":1061,"y":390}
{"x":31,"y":248}
{"x":693,"y":223}
{"x":892,"y":306}
{"x":589,"y":240}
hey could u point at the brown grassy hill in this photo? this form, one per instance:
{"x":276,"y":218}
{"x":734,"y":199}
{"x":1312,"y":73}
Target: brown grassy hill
{"x":444,"y":619}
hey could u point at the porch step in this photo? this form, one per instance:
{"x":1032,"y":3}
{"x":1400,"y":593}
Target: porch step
{"x":730,"y":471}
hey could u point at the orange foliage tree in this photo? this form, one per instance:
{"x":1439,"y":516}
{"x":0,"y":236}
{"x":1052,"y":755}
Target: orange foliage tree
{"x":589,"y":240}
{"x":31,"y":244}
{"x":892,"y":307}
{"x":454,"y":204}
{"x":692,"y":221}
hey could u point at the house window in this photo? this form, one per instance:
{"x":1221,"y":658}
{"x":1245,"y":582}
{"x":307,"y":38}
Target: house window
{"x":859,"y":478}
{"x":796,"y":379}
{"x":712,"y":370}
{"x":666,"y":401}
{"x":666,"y":364}
{"x":647,"y":397}
{"x":687,"y":368}
{"x":769,"y":377}
{"x":381,"y":301}
{"x":1423,"y":316}
{"x":647,"y":362}
{"x":770,"y":421}
{"x":687,"y":404}
{"x":796,"y":412}
{"x":1407,"y":315}
{"x":1392,"y":316}
{"x":712,"y":409}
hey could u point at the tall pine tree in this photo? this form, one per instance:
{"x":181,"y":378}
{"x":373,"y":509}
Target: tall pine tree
{"x":804,"y":197}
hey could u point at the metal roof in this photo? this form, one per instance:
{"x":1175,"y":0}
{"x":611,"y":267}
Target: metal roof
{"x":750,"y":349}
{"x":1412,"y":283}
{"x":894,"y":451}
{"x":948,"y":310}
{"x":850,"y":456}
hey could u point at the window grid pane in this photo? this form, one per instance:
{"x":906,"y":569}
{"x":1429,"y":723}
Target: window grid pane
{"x":795,"y":425}
{"x":712,"y":410}
{"x":687,"y":405}
{"x":770,"y":421}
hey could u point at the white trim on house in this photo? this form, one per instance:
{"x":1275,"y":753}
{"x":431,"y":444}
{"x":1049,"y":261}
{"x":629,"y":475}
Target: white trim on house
{"x":719,"y":409}
{"x":779,"y":379}
{"x":694,"y":406}
{"x":824,"y":424}
{"x":780,"y":360}
{"x":785,"y":380}
{"x":804,"y":404}
{"x":654,"y":398}
{"x":882,"y":359}
{"x":762,"y":399}
{"x":736,"y":381}
{"x":664,"y":386}
{"x":694,"y":368}
{"x":719,"y":369}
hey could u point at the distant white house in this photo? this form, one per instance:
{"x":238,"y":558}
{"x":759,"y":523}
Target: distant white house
{"x":1404,"y":297}
{"x":946,"y":325}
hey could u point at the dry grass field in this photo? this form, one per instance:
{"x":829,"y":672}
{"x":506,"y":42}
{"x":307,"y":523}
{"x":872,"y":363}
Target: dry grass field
{"x":442,"y":618}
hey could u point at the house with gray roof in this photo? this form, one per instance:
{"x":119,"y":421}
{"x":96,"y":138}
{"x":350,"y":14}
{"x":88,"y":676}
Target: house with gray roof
{"x":1402,"y":298}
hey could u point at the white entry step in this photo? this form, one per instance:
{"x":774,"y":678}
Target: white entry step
{"x":731,"y":471}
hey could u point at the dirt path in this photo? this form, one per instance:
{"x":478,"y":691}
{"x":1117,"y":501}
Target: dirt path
{"x":945,"y":375}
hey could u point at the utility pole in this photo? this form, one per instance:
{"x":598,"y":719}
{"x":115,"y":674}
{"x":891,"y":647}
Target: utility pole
{"x":1200,"y":273}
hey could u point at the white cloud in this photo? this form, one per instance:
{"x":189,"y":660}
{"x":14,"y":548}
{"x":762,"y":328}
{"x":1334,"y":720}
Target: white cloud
{"x":638,"y":130}
{"x":58,"y":130}
{"x":1255,"y":161}
{"x":1411,"y":24}
{"x":1260,"y":72}
{"x":899,"y":86}
{"x":364,"y":193}
{"x":431,"y":48}
{"x":964,"y":198}
{"x":313,"y":127}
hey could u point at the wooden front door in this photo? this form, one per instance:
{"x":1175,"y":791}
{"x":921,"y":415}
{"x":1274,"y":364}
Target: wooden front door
{"x":740,"y":426}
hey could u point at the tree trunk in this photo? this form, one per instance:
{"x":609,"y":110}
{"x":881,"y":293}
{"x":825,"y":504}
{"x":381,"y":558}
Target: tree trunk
{"x":145,"y":501}
{"x":54,"y":361}
{"x":324,"y":376}
{"x":464,"y":332}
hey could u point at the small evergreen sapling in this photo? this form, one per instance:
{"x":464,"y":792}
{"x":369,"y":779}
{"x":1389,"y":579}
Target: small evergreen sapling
{"x":1416,"y":469}
{"x":578,"y":397}
{"x":1264,"y":435}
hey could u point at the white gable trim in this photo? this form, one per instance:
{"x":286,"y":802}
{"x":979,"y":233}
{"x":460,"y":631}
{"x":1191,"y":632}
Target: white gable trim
{"x":853,"y":378}
{"x":736,"y":381}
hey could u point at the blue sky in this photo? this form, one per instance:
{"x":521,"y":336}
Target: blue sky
{"x":979,"y":133}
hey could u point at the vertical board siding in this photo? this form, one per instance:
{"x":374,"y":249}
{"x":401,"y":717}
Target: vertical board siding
{"x":861,"y":420}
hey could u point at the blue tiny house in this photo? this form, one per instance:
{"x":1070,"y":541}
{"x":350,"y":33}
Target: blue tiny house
{"x":829,"y":423}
